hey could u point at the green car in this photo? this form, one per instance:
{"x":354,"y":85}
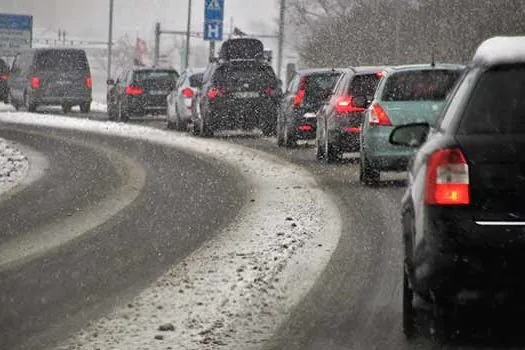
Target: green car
{"x":405,"y":94}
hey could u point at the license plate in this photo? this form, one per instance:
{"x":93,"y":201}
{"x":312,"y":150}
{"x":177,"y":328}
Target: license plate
{"x":158,"y":92}
{"x":248,"y":94}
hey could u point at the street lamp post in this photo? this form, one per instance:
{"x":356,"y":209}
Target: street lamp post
{"x":281,"y":38}
{"x":188,"y":34}
{"x":110,"y":37}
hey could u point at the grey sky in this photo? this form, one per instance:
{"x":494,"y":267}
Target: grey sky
{"x":89,"y":19}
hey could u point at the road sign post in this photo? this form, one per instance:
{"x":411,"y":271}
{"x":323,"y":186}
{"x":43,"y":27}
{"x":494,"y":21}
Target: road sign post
{"x":16,"y":32}
{"x":213,"y":23}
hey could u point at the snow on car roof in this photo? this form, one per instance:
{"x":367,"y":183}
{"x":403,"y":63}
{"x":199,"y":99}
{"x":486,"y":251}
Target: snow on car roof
{"x":500,"y":50}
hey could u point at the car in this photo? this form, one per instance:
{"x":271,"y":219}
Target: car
{"x":413,"y":93}
{"x":339,"y":120}
{"x":463,"y":213}
{"x":139,"y":92}
{"x":51,"y":76}
{"x":308,"y":90}
{"x":180,"y":100}
{"x":238,"y":92}
{"x":4,"y":76}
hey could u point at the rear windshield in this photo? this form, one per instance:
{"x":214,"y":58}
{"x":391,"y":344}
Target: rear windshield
{"x":364,"y":85}
{"x":196,"y":80}
{"x":3,"y":66}
{"x":424,"y":85}
{"x":155,"y":75}
{"x":62,"y":60}
{"x":497,"y":104}
{"x":237,"y":75}
{"x":321,"y":84}
{"x":242,"y":49}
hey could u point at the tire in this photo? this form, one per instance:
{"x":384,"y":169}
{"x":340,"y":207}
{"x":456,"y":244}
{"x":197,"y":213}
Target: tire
{"x":85,"y":107}
{"x":30,"y":106}
{"x":368,"y":175}
{"x":409,"y":312}
{"x":122,"y":113}
{"x":268,"y":127}
{"x":280,"y":138}
{"x":331,"y":152}
{"x":319,"y":152}
{"x":170,"y":125}
{"x":180,"y":125}
{"x":204,"y":129}
{"x":290,"y":140}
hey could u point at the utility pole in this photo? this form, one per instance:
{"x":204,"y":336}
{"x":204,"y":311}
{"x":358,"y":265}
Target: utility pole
{"x":281,"y":38}
{"x":110,"y":37}
{"x":212,"y":50}
{"x":157,"y":44}
{"x":188,"y":30}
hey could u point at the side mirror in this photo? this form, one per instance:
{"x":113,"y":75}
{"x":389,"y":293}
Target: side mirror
{"x":110,"y":82}
{"x":410,"y":135}
{"x":359,"y":102}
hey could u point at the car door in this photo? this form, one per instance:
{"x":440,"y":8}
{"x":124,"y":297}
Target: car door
{"x":331,"y":124}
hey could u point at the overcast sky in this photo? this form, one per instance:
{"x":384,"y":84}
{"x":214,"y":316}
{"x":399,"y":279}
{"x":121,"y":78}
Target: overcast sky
{"x":89,"y":18}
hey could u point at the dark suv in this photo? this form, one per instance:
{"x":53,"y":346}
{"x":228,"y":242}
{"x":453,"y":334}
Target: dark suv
{"x":308,"y":90}
{"x":4,"y":75}
{"x":463,"y":214}
{"x":51,"y":77}
{"x":238,"y":93}
{"x":139,"y":92}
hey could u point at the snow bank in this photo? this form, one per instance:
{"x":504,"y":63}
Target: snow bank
{"x":14,"y":165}
{"x":236,"y":289}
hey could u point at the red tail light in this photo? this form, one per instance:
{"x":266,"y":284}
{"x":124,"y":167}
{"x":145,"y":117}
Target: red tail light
{"x":268,"y":91}
{"x":89,"y":82}
{"x":305,"y":128}
{"x":344,"y":105}
{"x":301,"y":93}
{"x":378,"y":116}
{"x":35,"y":82}
{"x":447,"y":178}
{"x":4,"y":76}
{"x":188,"y":93}
{"x":134,"y":90}
{"x":215,"y":92}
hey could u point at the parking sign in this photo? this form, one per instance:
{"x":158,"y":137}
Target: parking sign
{"x":15,"y":33}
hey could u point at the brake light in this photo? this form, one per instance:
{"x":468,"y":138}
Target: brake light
{"x":268,"y":91}
{"x":4,"y":76}
{"x":301,"y":93}
{"x":134,"y":90}
{"x":447,"y":178}
{"x":344,"y":105}
{"x":215,"y":92}
{"x":305,"y":128}
{"x":380,"y":74}
{"x":378,"y":116}
{"x":35,"y":82}
{"x":188,"y":93}
{"x":89,"y":82}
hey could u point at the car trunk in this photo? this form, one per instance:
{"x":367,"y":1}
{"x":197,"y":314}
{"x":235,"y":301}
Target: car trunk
{"x":407,"y":112}
{"x":62,"y":84}
{"x":246,"y":81}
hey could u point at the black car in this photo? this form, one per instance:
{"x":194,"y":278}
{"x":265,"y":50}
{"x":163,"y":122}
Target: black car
{"x":339,"y":121}
{"x":463,"y":214}
{"x":139,"y":92}
{"x":238,"y":92}
{"x":308,"y":90}
{"x":51,"y":76}
{"x":4,"y":76}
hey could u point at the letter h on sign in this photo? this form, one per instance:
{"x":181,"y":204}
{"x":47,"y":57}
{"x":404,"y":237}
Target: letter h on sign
{"x":213,"y":31}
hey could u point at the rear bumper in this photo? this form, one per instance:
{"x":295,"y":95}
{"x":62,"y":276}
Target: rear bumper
{"x":383,"y":155}
{"x":44,"y":97}
{"x":304,"y":128}
{"x":345,"y":131}
{"x":464,"y":262}
{"x":141,"y":105}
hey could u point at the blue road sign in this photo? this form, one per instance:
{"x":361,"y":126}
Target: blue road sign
{"x":213,"y":31}
{"x":16,"y":33}
{"x":213,"y":10}
{"x":16,"y":22}
{"x":213,"y":19}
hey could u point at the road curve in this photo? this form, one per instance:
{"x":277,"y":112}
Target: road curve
{"x":174,"y":212}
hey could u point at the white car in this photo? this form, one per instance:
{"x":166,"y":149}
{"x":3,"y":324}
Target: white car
{"x":180,"y":100}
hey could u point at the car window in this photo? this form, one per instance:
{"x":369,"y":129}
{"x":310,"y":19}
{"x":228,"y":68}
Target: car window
{"x":62,"y":60}
{"x":142,"y":75}
{"x":364,"y":85}
{"x":196,"y":80}
{"x":235,"y":75}
{"x":497,"y":103}
{"x":181,"y":80}
{"x":293,"y":87}
{"x":422,"y":85}
{"x":3,"y":66}
{"x":321,"y":84}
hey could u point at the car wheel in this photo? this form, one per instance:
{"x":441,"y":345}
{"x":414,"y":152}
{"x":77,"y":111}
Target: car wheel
{"x":204,"y":129}
{"x":170,"y":125}
{"x":319,"y":151}
{"x":268,"y":127}
{"x":331,"y":152}
{"x":180,"y":125}
{"x":66,"y":108}
{"x":409,"y":312}
{"x":122,"y":113}
{"x":85,"y":107}
{"x":368,"y":174}
{"x":30,"y":106}
{"x":290,"y":140}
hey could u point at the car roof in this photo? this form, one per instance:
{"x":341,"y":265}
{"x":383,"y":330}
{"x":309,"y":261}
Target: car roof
{"x":427,"y":66}
{"x":500,"y":50}
{"x":139,"y":69}
{"x":309,"y":71}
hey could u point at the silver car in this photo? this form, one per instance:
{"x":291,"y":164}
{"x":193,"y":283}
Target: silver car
{"x":180,"y":100}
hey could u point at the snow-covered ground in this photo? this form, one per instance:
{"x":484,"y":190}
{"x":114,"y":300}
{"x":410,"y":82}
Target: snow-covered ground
{"x":14,"y":165}
{"x":236,"y":289}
